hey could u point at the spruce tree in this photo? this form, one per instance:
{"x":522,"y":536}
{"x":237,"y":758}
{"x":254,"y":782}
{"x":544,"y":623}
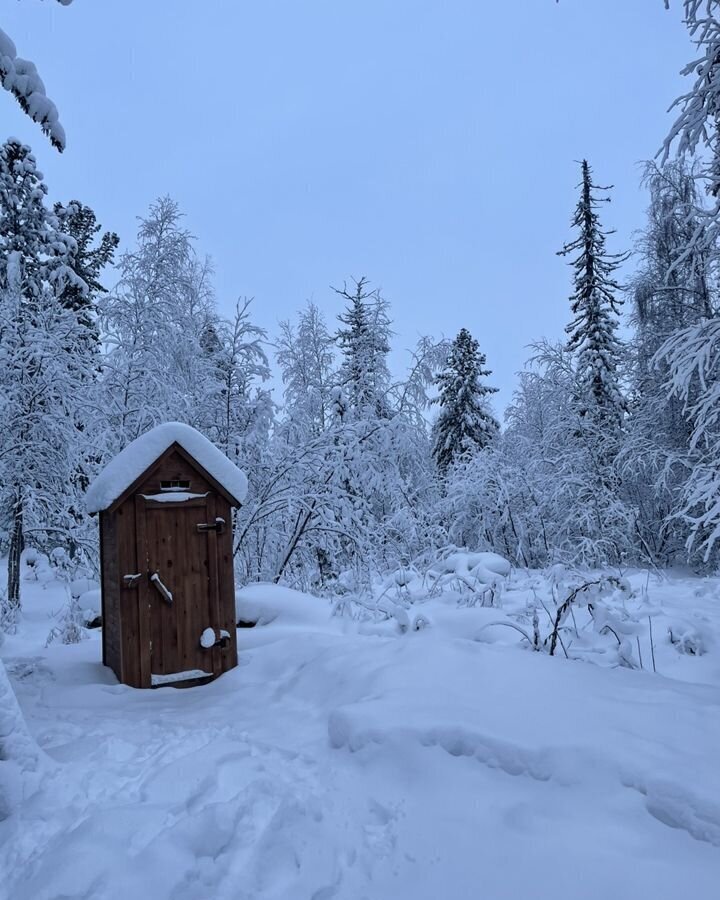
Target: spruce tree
{"x":465,"y":423}
{"x":90,"y":252}
{"x":86,"y":258}
{"x":595,"y":305}
{"x":365,"y":344}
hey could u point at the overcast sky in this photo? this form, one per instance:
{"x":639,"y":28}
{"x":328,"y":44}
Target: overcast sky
{"x":430,"y":145}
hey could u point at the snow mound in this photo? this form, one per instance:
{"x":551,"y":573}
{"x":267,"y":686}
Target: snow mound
{"x":131,"y":462}
{"x":90,"y":606}
{"x":263,"y":604}
{"x":80,"y":586}
{"x":482,"y":624}
{"x":486,"y":567}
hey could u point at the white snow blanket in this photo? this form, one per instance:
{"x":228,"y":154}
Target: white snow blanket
{"x":21,"y":760}
{"x":131,"y":462}
{"x":263,"y":604}
{"x":336,"y":764}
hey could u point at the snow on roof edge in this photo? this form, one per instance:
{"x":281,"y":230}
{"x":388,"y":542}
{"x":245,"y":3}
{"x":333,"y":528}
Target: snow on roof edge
{"x":130,"y":463}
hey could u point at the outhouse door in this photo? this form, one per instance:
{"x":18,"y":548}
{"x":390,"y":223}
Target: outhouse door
{"x":177,"y":539}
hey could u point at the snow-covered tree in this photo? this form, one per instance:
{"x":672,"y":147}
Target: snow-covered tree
{"x":675,"y":282}
{"x":364,"y":345}
{"x":41,"y":377}
{"x":93,"y":251}
{"x":306,"y":358}
{"x":544,"y":491}
{"x":692,"y":354}
{"x":595,"y":305}
{"x":674,"y":287}
{"x":339,"y":495}
{"x":238,"y":410}
{"x":170,"y":356}
{"x":693,"y":359}
{"x":698,"y":122}
{"x":465,"y":423}
{"x":151,"y":324}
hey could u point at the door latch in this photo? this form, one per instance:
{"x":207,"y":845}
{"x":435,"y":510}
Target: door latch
{"x":218,"y":525}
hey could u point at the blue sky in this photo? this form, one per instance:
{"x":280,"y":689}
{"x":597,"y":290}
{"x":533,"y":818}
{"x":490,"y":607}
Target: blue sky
{"x":430,"y":146}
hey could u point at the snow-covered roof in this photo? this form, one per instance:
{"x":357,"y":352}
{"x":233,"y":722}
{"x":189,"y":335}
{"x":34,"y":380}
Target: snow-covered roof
{"x":131,"y":462}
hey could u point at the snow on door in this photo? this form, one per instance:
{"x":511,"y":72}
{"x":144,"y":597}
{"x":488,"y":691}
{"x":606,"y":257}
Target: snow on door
{"x":182,"y":588}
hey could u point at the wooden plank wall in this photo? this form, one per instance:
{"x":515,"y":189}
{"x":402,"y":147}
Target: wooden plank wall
{"x":110,"y":591}
{"x":226,"y":585}
{"x":129,"y":596}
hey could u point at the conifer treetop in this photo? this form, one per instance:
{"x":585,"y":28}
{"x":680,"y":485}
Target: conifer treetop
{"x":595,"y":302}
{"x":465,"y":424}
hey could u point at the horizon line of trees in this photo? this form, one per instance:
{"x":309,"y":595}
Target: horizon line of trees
{"x":598,"y":461}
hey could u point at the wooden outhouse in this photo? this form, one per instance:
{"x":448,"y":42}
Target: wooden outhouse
{"x":168,"y":598}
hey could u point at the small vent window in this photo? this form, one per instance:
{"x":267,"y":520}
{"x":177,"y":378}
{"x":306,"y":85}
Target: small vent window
{"x":175,"y":485}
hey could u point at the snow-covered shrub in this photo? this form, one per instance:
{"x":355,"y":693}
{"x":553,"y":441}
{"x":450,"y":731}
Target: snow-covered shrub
{"x":686,"y":639}
{"x":70,"y":627}
{"x":66,"y":567}
{"x":349,"y":606}
{"x":8,"y":616}
{"x":35,"y":566}
{"x":584,"y":614}
{"x":477,"y":577}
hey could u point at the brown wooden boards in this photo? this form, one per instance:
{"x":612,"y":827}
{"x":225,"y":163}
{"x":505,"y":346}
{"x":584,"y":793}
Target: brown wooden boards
{"x":183,"y":599}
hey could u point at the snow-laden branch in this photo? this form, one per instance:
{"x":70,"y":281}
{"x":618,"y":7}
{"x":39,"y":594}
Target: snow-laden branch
{"x":20,"y":77}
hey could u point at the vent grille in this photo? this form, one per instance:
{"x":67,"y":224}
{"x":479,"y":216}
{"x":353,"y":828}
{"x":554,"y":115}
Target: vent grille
{"x":175,"y":485}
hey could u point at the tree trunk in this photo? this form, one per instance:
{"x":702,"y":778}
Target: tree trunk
{"x":300,"y":527}
{"x":17,"y":544}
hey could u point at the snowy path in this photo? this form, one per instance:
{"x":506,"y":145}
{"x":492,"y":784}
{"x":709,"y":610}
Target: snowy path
{"x":342,"y":765}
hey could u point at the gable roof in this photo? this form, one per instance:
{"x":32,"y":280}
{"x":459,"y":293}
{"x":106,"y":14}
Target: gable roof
{"x":132,"y":463}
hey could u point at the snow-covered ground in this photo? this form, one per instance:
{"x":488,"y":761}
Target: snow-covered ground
{"x":358,"y":759}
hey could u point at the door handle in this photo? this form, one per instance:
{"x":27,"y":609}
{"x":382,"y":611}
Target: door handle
{"x":166,"y":594}
{"x":218,"y":525}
